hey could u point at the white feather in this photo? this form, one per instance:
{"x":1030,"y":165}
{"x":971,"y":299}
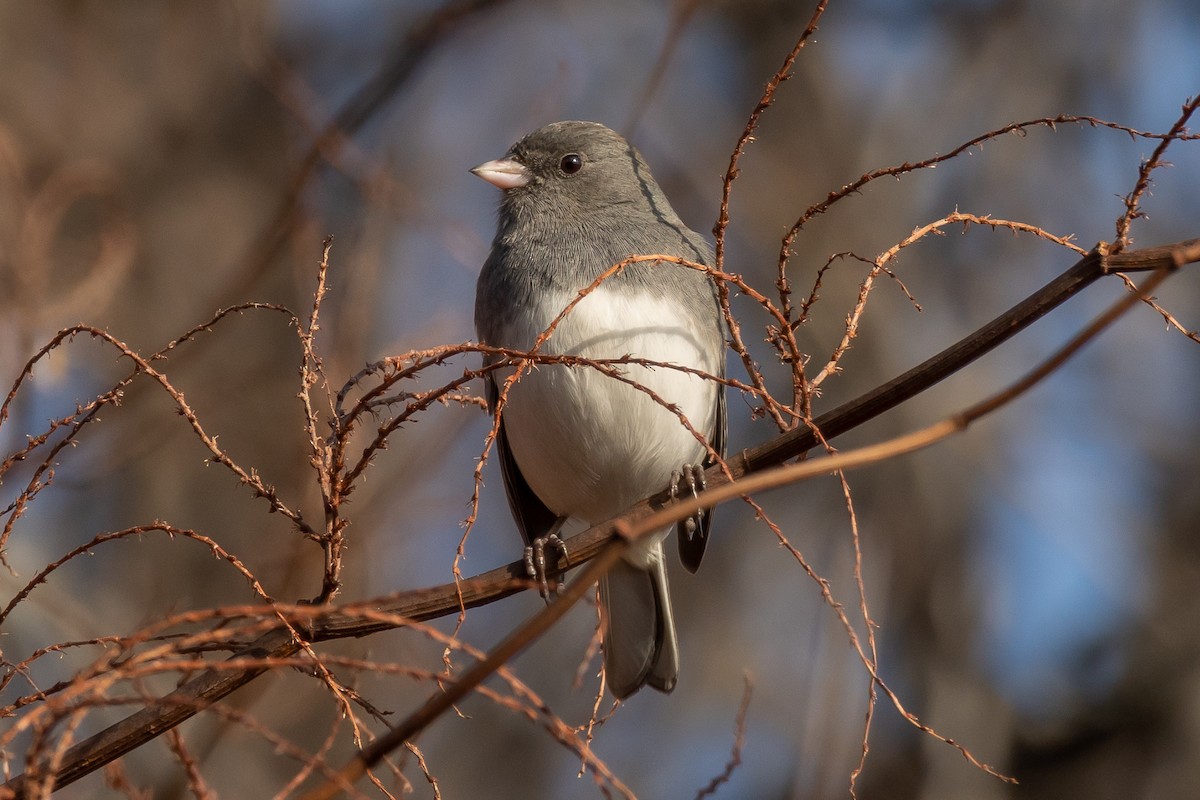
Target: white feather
{"x":590,"y":445}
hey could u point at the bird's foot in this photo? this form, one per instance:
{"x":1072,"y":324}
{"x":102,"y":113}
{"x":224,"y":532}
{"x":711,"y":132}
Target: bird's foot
{"x":686,"y":481}
{"x":535,"y":562}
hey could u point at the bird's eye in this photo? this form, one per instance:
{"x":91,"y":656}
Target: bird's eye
{"x":571,"y":163}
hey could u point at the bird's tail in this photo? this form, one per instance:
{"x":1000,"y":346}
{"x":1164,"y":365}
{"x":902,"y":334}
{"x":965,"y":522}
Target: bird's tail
{"x":640,"y":646}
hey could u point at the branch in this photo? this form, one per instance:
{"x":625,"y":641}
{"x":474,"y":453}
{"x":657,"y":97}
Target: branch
{"x":622,"y":531}
{"x":425,"y":604}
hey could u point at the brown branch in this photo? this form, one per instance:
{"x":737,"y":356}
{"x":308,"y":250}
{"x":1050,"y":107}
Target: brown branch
{"x":311,"y":375}
{"x":764,"y":102}
{"x":74,"y":423}
{"x":442,"y":701}
{"x":739,"y":741}
{"x":628,"y":528}
{"x":1017,"y":128}
{"x":879,"y":266}
{"x":1133,"y":200}
{"x":722,"y":225}
{"x":138,"y":530}
{"x":904,"y":387}
{"x":215,"y":683}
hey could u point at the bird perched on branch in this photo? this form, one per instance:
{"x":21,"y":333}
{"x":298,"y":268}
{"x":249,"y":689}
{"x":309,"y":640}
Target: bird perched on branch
{"x":574,"y":441}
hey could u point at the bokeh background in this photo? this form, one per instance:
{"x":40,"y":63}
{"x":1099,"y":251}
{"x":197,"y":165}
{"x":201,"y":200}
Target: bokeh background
{"x":1036,"y":581}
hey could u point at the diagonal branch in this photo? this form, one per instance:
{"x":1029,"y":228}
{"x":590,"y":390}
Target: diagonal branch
{"x":424,"y":604}
{"x":622,"y":531}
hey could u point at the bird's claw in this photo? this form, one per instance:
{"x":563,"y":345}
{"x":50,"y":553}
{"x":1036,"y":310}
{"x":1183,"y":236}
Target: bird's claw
{"x":685,"y":481}
{"x":535,"y":562}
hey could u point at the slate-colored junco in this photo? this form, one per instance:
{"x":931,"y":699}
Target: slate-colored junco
{"x":575,"y":443}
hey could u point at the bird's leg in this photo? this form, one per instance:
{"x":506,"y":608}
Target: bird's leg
{"x":535,"y":559}
{"x":689,"y":480}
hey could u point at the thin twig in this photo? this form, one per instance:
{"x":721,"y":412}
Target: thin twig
{"x":739,"y":741}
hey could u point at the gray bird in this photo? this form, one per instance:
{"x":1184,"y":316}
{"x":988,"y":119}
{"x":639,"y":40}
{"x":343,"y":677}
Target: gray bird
{"x":575,"y":443}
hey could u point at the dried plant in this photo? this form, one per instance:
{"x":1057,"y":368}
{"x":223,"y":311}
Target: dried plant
{"x":181,"y":664}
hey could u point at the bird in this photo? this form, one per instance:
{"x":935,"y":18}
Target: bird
{"x":573,"y":442}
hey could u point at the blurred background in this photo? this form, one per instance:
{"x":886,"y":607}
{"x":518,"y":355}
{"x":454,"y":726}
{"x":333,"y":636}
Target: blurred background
{"x":1036,"y":581}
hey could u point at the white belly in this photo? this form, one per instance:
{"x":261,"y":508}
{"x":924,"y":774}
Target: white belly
{"x":590,"y":445}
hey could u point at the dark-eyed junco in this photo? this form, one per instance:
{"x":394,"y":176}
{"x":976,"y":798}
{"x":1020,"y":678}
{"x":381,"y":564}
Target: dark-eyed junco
{"x":574,"y":442}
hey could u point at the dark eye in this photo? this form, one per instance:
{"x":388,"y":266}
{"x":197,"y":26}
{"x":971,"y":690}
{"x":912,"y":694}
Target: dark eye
{"x":571,"y":163}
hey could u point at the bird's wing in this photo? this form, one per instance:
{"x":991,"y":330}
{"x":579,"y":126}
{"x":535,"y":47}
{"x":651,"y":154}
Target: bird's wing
{"x":531,"y":515}
{"x":692,"y":544}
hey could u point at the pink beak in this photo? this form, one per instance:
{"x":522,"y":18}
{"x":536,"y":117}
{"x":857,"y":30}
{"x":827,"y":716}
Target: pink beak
{"x":503,"y":173}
